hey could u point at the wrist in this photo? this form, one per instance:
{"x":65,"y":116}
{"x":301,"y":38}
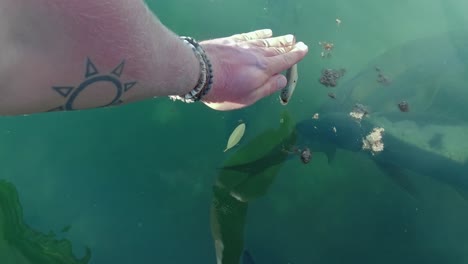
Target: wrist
{"x":218,"y":74}
{"x":186,"y":76}
{"x":205,"y":79}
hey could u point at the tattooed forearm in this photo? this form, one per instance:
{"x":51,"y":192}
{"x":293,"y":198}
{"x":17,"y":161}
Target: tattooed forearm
{"x":106,"y":89}
{"x":78,"y":54}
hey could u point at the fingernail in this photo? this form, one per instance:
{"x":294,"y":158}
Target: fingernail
{"x":301,"y":46}
{"x":289,"y":38}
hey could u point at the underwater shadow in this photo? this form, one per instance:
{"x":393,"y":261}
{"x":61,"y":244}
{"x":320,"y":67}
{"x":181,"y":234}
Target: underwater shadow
{"x":244,"y":177}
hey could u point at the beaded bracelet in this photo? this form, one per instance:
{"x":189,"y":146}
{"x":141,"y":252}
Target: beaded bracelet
{"x":205,"y":81}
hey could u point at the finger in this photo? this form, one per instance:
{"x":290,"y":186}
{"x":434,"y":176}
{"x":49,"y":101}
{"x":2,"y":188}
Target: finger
{"x":275,"y":83}
{"x":272,"y":51}
{"x":281,"y":41}
{"x":257,"y":34}
{"x":284,"y":61}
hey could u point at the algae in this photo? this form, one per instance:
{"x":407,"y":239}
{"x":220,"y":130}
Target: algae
{"x":20,"y":244}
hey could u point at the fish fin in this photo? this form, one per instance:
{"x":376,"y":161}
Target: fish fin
{"x":399,"y":177}
{"x":247,"y":258}
{"x":461,"y":189}
{"x":330,"y":152}
{"x":242,"y":168}
{"x":462,"y":192}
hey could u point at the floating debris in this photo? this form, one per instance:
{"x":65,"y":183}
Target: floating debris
{"x":359,"y":112}
{"x":306,"y":155}
{"x":361,"y":108}
{"x":332,"y":95}
{"x":327,"y":48}
{"x":338,"y":21}
{"x":316,"y":116}
{"x":373,"y":141}
{"x":356,"y":115}
{"x":236,"y":136}
{"x":381,"y":78}
{"x":330,"y":77}
{"x":403,"y":106}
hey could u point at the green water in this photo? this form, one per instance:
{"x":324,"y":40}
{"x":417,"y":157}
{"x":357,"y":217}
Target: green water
{"x":135,"y":183}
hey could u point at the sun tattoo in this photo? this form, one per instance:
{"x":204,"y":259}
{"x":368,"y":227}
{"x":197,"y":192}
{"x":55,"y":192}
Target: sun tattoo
{"x":94,"y":81}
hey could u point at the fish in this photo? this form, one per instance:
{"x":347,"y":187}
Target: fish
{"x":397,"y":157}
{"x":244,"y":177}
{"x":417,"y":67}
{"x":287,"y":92}
{"x":247,"y":258}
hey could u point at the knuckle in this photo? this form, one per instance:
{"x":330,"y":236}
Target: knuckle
{"x":288,"y":59}
{"x":280,"y":51}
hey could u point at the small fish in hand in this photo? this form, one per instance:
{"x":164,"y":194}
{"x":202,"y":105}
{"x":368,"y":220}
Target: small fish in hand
{"x":287,"y":92}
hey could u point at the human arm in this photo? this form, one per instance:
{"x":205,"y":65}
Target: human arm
{"x":68,"y":55}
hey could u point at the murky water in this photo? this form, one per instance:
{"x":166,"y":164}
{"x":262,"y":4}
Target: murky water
{"x":119,"y":182}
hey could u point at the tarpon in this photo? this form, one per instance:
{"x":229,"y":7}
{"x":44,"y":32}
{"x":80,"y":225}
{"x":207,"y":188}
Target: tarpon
{"x":430,"y":74}
{"x":396,"y":157}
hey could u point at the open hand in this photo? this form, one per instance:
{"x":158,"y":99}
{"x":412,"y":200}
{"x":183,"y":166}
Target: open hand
{"x":248,"y":66}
